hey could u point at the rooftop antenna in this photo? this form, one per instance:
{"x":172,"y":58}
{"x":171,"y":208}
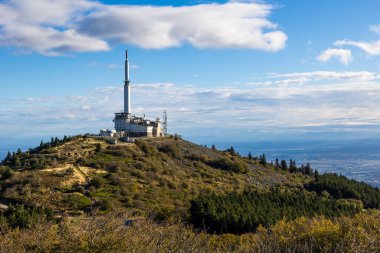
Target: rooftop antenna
{"x":165,"y":122}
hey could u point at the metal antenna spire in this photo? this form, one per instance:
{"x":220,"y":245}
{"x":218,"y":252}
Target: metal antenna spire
{"x":165,"y":122}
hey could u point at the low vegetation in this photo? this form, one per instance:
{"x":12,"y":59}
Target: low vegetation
{"x":180,"y":197}
{"x":20,"y":216}
{"x":106,"y":233}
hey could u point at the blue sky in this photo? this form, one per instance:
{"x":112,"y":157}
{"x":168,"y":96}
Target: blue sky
{"x":222,"y":69}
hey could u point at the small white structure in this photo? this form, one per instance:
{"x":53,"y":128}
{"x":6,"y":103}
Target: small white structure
{"x":107,"y":133}
{"x":132,"y":126}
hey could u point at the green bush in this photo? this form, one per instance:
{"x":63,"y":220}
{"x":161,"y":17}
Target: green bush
{"x":8,"y":173}
{"x":98,"y":148}
{"x":148,"y":149}
{"x":97,"y":182}
{"x":77,"y":201}
{"x":228,"y":165}
{"x":106,"y":204}
{"x":171,"y":149}
{"x":24,"y":217}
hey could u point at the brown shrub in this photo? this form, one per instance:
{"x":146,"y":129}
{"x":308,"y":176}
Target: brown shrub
{"x":108,"y":233}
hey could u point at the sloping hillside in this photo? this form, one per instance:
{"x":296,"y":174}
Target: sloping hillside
{"x":158,"y":175}
{"x":82,"y":194}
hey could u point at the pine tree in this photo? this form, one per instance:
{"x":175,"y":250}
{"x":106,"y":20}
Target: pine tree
{"x":292,"y":166}
{"x":303,"y":170}
{"x":284,"y":165}
{"x":249,"y":156}
{"x":316,"y":175}
{"x":308,"y":169}
{"x":263,"y":159}
{"x":276,"y":163}
{"x":8,"y":157}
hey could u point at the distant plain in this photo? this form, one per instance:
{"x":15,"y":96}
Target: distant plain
{"x":357,"y":159}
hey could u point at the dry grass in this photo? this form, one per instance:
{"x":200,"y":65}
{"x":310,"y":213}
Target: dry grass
{"x":109,"y":234}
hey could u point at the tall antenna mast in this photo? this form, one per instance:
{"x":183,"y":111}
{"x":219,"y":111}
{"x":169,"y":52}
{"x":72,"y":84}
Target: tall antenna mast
{"x":165,"y":122}
{"x":127,"y":86}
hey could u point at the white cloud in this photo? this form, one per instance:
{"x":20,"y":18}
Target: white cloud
{"x":265,"y":83}
{"x":277,"y":104}
{"x":329,"y":75}
{"x":371,"y":48}
{"x":230,"y":25}
{"x":298,"y":80}
{"x":46,"y":26}
{"x":115,"y":66}
{"x":344,"y":55}
{"x":375,"y":28}
{"x":60,"y":26}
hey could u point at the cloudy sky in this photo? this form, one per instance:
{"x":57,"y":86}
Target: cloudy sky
{"x":222,"y":69}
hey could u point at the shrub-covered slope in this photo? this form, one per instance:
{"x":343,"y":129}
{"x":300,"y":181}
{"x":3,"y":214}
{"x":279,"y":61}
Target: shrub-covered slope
{"x":105,"y":234}
{"x":159,"y":175}
{"x":277,"y":206}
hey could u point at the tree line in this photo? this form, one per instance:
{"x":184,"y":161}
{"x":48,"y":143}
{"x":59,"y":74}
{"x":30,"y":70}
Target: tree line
{"x":339,"y":186}
{"x":19,"y":160}
{"x":244,"y":212}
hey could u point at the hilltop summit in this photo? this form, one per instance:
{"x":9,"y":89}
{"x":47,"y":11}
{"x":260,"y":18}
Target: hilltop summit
{"x":81,"y":172}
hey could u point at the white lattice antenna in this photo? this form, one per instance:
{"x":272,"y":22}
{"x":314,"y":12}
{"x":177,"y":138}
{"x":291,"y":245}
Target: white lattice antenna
{"x":165,"y":122}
